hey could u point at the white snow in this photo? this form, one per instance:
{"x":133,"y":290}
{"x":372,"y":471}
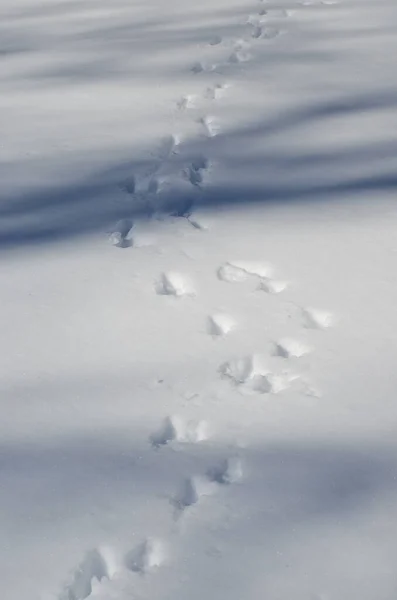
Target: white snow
{"x":197,"y":299}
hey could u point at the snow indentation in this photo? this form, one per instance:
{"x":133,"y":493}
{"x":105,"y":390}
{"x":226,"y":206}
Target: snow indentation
{"x":91,"y":570}
{"x":175,"y":428}
{"x":291,"y":348}
{"x":174,"y":284}
{"x":240,"y":370}
{"x":229,"y":471}
{"x":238,"y":271}
{"x":119,"y":236}
{"x":192,"y":490}
{"x":147,"y":556}
{"x":220,"y":324}
{"x":272,"y":286}
{"x":217,"y":91}
{"x":211,"y":126}
{"x":314,"y":318}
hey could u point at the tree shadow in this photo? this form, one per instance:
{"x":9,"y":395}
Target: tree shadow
{"x":254,"y":167}
{"x":253,"y":172}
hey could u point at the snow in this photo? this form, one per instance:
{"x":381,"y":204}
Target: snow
{"x":197,"y":307}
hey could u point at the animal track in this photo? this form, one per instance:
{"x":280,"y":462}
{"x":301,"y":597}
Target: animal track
{"x":229,"y":471}
{"x":257,"y":32}
{"x":192,"y":490}
{"x":215,"y":41}
{"x":129,"y":185}
{"x":269,"y":33}
{"x":272,"y":286}
{"x":176,"y":429}
{"x":239,"y":56}
{"x":200,"y":220}
{"x":317,"y":319}
{"x":147,"y":556}
{"x":238,"y":271}
{"x":211,"y":126}
{"x":290,"y":348}
{"x":186,"y":102}
{"x":217,"y":91}
{"x":169,"y":145}
{"x":200,"y":67}
{"x":174,"y":284}
{"x":119,"y":235}
{"x":197,"y":171}
{"x":220,"y":324}
{"x":92,"y":570}
{"x":243,"y":369}
{"x":251,"y":375}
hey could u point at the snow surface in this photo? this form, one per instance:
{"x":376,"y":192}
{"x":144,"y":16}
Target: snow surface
{"x":165,"y":431}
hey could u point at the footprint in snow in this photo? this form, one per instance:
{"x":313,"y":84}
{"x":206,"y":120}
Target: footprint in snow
{"x":251,"y":376}
{"x":96,"y":565}
{"x":210,"y":125}
{"x":147,"y":556}
{"x":220,"y":324}
{"x":269,"y":33}
{"x":168,"y":146}
{"x":257,"y":32}
{"x":229,"y":471}
{"x":215,"y":40}
{"x":174,"y":284}
{"x":177,"y":429}
{"x":193,"y":488}
{"x":314,"y":318}
{"x":200,"y":67}
{"x":238,"y":56}
{"x":129,"y":185}
{"x":119,"y":235}
{"x":197,"y":171}
{"x":272,"y":286}
{"x":239,"y":271}
{"x":290,"y":348}
{"x":186,"y":102}
{"x":200,"y":219}
{"x":217,"y":91}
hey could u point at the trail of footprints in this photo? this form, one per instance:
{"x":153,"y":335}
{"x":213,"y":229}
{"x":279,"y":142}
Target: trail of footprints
{"x":248,"y":374}
{"x":146,"y":188}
